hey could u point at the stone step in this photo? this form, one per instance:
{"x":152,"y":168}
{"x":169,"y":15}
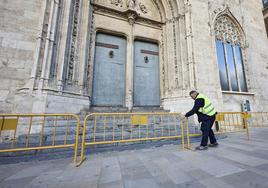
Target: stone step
{"x":99,"y":109}
{"x":149,"y":109}
{"x":104,"y":109}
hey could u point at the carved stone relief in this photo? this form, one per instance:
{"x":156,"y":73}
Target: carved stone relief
{"x":132,"y":15}
{"x":143,"y":8}
{"x":73,"y":55}
{"x":117,"y":2}
{"x":131,"y":4}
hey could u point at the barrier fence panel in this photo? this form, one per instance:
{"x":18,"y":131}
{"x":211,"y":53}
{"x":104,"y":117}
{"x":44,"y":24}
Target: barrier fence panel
{"x":226,"y":122}
{"x":231,"y":122}
{"x":109,"y":128}
{"x":25,"y":132}
{"x":258,"y":119}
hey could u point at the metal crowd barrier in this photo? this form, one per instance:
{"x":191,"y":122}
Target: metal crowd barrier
{"x":110,"y":128}
{"x":25,"y":132}
{"x":226,"y":122}
{"x":230,"y":122}
{"x":258,"y":119}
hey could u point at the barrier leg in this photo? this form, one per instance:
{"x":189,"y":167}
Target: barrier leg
{"x":187,"y":134}
{"x":82,"y":155}
{"x":182,"y":133}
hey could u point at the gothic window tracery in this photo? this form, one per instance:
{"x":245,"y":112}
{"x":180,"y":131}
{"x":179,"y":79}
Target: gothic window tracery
{"x":227,"y":31}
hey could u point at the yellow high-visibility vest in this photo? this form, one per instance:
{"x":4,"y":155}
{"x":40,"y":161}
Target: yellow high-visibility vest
{"x":208,"y":108}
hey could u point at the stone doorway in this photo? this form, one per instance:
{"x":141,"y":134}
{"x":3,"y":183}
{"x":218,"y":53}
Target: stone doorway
{"x":110,"y":79}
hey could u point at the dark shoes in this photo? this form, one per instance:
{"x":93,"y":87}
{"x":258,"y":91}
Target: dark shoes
{"x":206,"y":147}
{"x":213,"y":145}
{"x":201,"y":148}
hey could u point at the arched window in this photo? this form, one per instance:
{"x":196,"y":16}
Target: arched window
{"x":229,"y":42}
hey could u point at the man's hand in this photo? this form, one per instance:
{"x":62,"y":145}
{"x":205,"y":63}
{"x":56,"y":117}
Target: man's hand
{"x":184,"y":118}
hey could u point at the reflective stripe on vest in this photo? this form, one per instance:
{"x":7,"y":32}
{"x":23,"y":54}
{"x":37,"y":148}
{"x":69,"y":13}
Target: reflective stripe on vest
{"x":208,"y":108}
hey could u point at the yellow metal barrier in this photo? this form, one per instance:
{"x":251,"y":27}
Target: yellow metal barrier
{"x":24,"y":132}
{"x":110,"y":128}
{"x":228,"y":122}
{"x":258,"y":119}
{"x":232,"y":122}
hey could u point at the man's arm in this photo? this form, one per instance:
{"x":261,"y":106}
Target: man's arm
{"x":198,"y":103}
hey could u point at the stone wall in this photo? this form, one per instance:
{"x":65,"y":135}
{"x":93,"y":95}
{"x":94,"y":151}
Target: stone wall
{"x":255,"y":52}
{"x":184,"y":30}
{"x":20,"y":23}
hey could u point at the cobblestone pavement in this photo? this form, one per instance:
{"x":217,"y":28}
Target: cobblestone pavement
{"x":234,"y":163}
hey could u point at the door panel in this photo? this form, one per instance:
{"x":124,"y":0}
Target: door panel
{"x":146,"y":74}
{"x":109,"y":71}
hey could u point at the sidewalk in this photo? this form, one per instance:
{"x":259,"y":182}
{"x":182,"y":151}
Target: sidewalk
{"x":235,"y":163}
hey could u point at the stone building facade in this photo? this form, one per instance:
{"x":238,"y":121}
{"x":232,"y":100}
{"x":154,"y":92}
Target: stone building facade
{"x":59,"y":56}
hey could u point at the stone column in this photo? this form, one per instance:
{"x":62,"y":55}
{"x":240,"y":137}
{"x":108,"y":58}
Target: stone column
{"x":84,"y":43}
{"x":129,"y":70}
{"x":189,"y":39}
{"x":49,"y":44}
{"x":91,"y":57}
{"x":165,"y":61}
{"x":170,"y":58}
{"x":63,"y":42}
{"x":132,"y":15}
{"x":183,"y":55}
{"x":38,"y":46}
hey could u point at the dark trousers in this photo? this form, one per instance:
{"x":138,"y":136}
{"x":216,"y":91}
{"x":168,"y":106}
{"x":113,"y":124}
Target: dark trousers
{"x":206,"y":128}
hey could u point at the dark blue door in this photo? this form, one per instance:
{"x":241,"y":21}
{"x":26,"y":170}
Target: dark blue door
{"x":146,"y":74}
{"x":109,"y":71}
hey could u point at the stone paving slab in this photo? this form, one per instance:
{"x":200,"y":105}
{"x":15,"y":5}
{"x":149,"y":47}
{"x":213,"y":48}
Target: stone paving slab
{"x":234,"y":163}
{"x":210,"y":165}
{"x":247,"y":179}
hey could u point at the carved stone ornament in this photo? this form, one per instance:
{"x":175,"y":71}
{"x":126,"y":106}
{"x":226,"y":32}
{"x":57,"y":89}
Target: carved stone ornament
{"x":227,"y":31}
{"x":117,"y":2}
{"x":73,"y":54}
{"x":132,"y":15}
{"x":143,"y":8}
{"x":131,"y":4}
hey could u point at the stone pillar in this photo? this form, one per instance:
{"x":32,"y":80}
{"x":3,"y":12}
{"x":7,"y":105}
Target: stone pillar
{"x":165,"y":62}
{"x":91,"y":63}
{"x":63,"y":42}
{"x":49,"y":44}
{"x":189,"y":39}
{"x":38,"y":46}
{"x":162,"y":69}
{"x":129,"y":69}
{"x":183,"y":55}
{"x":170,"y":56}
{"x":84,"y":43}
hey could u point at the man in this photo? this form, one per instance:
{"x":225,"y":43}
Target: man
{"x":206,"y":115}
